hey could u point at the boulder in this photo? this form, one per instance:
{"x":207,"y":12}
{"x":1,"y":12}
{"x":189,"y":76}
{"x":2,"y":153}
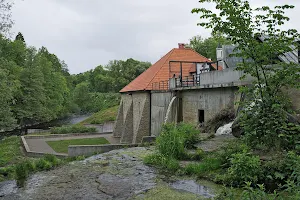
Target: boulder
{"x":236,"y":128}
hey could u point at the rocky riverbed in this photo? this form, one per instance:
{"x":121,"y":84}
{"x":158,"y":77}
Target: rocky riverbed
{"x":118,"y":174}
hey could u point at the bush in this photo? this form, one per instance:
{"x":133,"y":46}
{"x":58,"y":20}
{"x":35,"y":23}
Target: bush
{"x":30,"y":165}
{"x":225,"y":154}
{"x":21,"y":174}
{"x":170,"y":142}
{"x":190,"y":133}
{"x":171,"y":164}
{"x":73,"y":129}
{"x":43,"y":164}
{"x":243,"y":167}
{"x":52,"y":159}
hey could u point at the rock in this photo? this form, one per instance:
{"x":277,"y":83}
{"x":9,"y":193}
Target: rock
{"x":292,"y":119}
{"x":236,"y":128}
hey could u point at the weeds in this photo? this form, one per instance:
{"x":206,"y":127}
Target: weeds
{"x":162,"y":162}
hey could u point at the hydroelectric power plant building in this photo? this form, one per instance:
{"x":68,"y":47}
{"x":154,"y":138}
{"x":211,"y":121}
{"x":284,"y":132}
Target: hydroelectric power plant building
{"x":182,"y":86}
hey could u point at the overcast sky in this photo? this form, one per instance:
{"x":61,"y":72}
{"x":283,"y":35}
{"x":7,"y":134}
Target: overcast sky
{"x":88,"y":33}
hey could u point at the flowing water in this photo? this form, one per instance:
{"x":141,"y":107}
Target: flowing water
{"x":225,"y":130}
{"x":169,"y":109}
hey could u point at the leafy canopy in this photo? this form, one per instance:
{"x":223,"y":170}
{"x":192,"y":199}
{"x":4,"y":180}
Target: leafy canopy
{"x":264,"y":118}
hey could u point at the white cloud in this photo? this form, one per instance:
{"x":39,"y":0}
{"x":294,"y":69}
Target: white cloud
{"x":89,"y":33}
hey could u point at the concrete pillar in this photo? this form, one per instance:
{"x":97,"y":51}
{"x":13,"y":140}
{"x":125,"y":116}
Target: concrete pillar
{"x":127,"y":133}
{"x":118,"y":129}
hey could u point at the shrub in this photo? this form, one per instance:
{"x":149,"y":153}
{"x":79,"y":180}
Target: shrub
{"x":43,"y":164}
{"x":30,"y":165}
{"x":52,"y":159}
{"x":162,"y":162}
{"x":190,"y":133}
{"x":170,"y":142}
{"x":225,"y":154}
{"x":72,"y":129}
{"x":21,"y":174}
{"x":243,"y":167}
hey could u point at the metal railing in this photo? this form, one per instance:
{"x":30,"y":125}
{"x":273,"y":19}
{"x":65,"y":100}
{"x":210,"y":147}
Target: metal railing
{"x":188,"y":81}
{"x":162,"y":85}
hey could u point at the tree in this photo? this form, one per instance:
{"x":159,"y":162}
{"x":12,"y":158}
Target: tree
{"x":20,"y":37}
{"x":247,"y":27}
{"x":7,"y":120}
{"x":207,"y":47}
{"x":5,"y":16}
{"x":82,"y":95}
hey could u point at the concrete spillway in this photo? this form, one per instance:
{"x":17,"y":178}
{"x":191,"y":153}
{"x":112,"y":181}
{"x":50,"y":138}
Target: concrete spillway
{"x":169,"y":109}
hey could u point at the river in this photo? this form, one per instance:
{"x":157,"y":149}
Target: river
{"x":74,"y":119}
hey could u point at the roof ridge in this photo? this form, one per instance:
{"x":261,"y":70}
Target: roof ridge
{"x":167,"y":58}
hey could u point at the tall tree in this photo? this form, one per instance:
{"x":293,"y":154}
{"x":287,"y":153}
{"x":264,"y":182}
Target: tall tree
{"x":7,"y":120}
{"x":207,"y":47}
{"x":247,"y":27}
{"x":20,"y":37}
{"x":5,"y":16}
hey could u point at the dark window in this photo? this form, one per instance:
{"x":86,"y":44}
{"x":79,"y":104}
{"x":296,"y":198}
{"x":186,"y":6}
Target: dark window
{"x":201,"y":116}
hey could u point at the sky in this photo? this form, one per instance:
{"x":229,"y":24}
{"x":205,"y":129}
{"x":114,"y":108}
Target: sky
{"x":88,"y":33}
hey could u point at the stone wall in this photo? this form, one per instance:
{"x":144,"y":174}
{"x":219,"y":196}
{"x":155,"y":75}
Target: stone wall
{"x":212,"y":101}
{"x":133,"y":120}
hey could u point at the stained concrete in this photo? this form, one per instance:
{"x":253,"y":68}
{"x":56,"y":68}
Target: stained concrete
{"x":133,"y":120}
{"x":212,"y":101}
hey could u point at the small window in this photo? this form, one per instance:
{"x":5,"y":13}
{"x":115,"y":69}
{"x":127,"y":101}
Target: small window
{"x":201,"y":116}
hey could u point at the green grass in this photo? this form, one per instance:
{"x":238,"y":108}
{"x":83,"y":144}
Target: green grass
{"x":102,"y":116}
{"x":10,"y":152}
{"x":61,"y":146}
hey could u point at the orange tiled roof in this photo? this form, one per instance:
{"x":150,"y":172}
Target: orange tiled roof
{"x":160,"y":70}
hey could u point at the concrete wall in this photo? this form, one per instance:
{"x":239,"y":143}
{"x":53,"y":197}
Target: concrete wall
{"x":212,"y":101}
{"x":159,"y":106}
{"x":133,"y":120}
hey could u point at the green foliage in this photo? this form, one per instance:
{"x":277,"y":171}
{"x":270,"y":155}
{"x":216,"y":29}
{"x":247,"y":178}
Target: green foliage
{"x":61,"y":146}
{"x":207,"y":47}
{"x":21,"y":174}
{"x":10,"y":151}
{"x":6,"y":21}
{"x":243,"y":167}
{"x":225,"y":154}
{"x":73,"y":129}
{"x":43,"y":164}
{"x":170,"y":142}
{"x":202,"y":169}
{"x":264,"y":118}
{"x":162,"y":162}
{"x":190,"y":134}
{"x":103,"y":116}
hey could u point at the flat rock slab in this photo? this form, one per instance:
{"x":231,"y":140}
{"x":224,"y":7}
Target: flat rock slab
{"x":113,"y":175}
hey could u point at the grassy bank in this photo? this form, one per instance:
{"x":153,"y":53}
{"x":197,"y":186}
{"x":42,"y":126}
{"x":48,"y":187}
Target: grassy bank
{"x":102,"y":116}
{"x":10,"y":152}
{"x":61,"y":146}
{"x":14,"y":165}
